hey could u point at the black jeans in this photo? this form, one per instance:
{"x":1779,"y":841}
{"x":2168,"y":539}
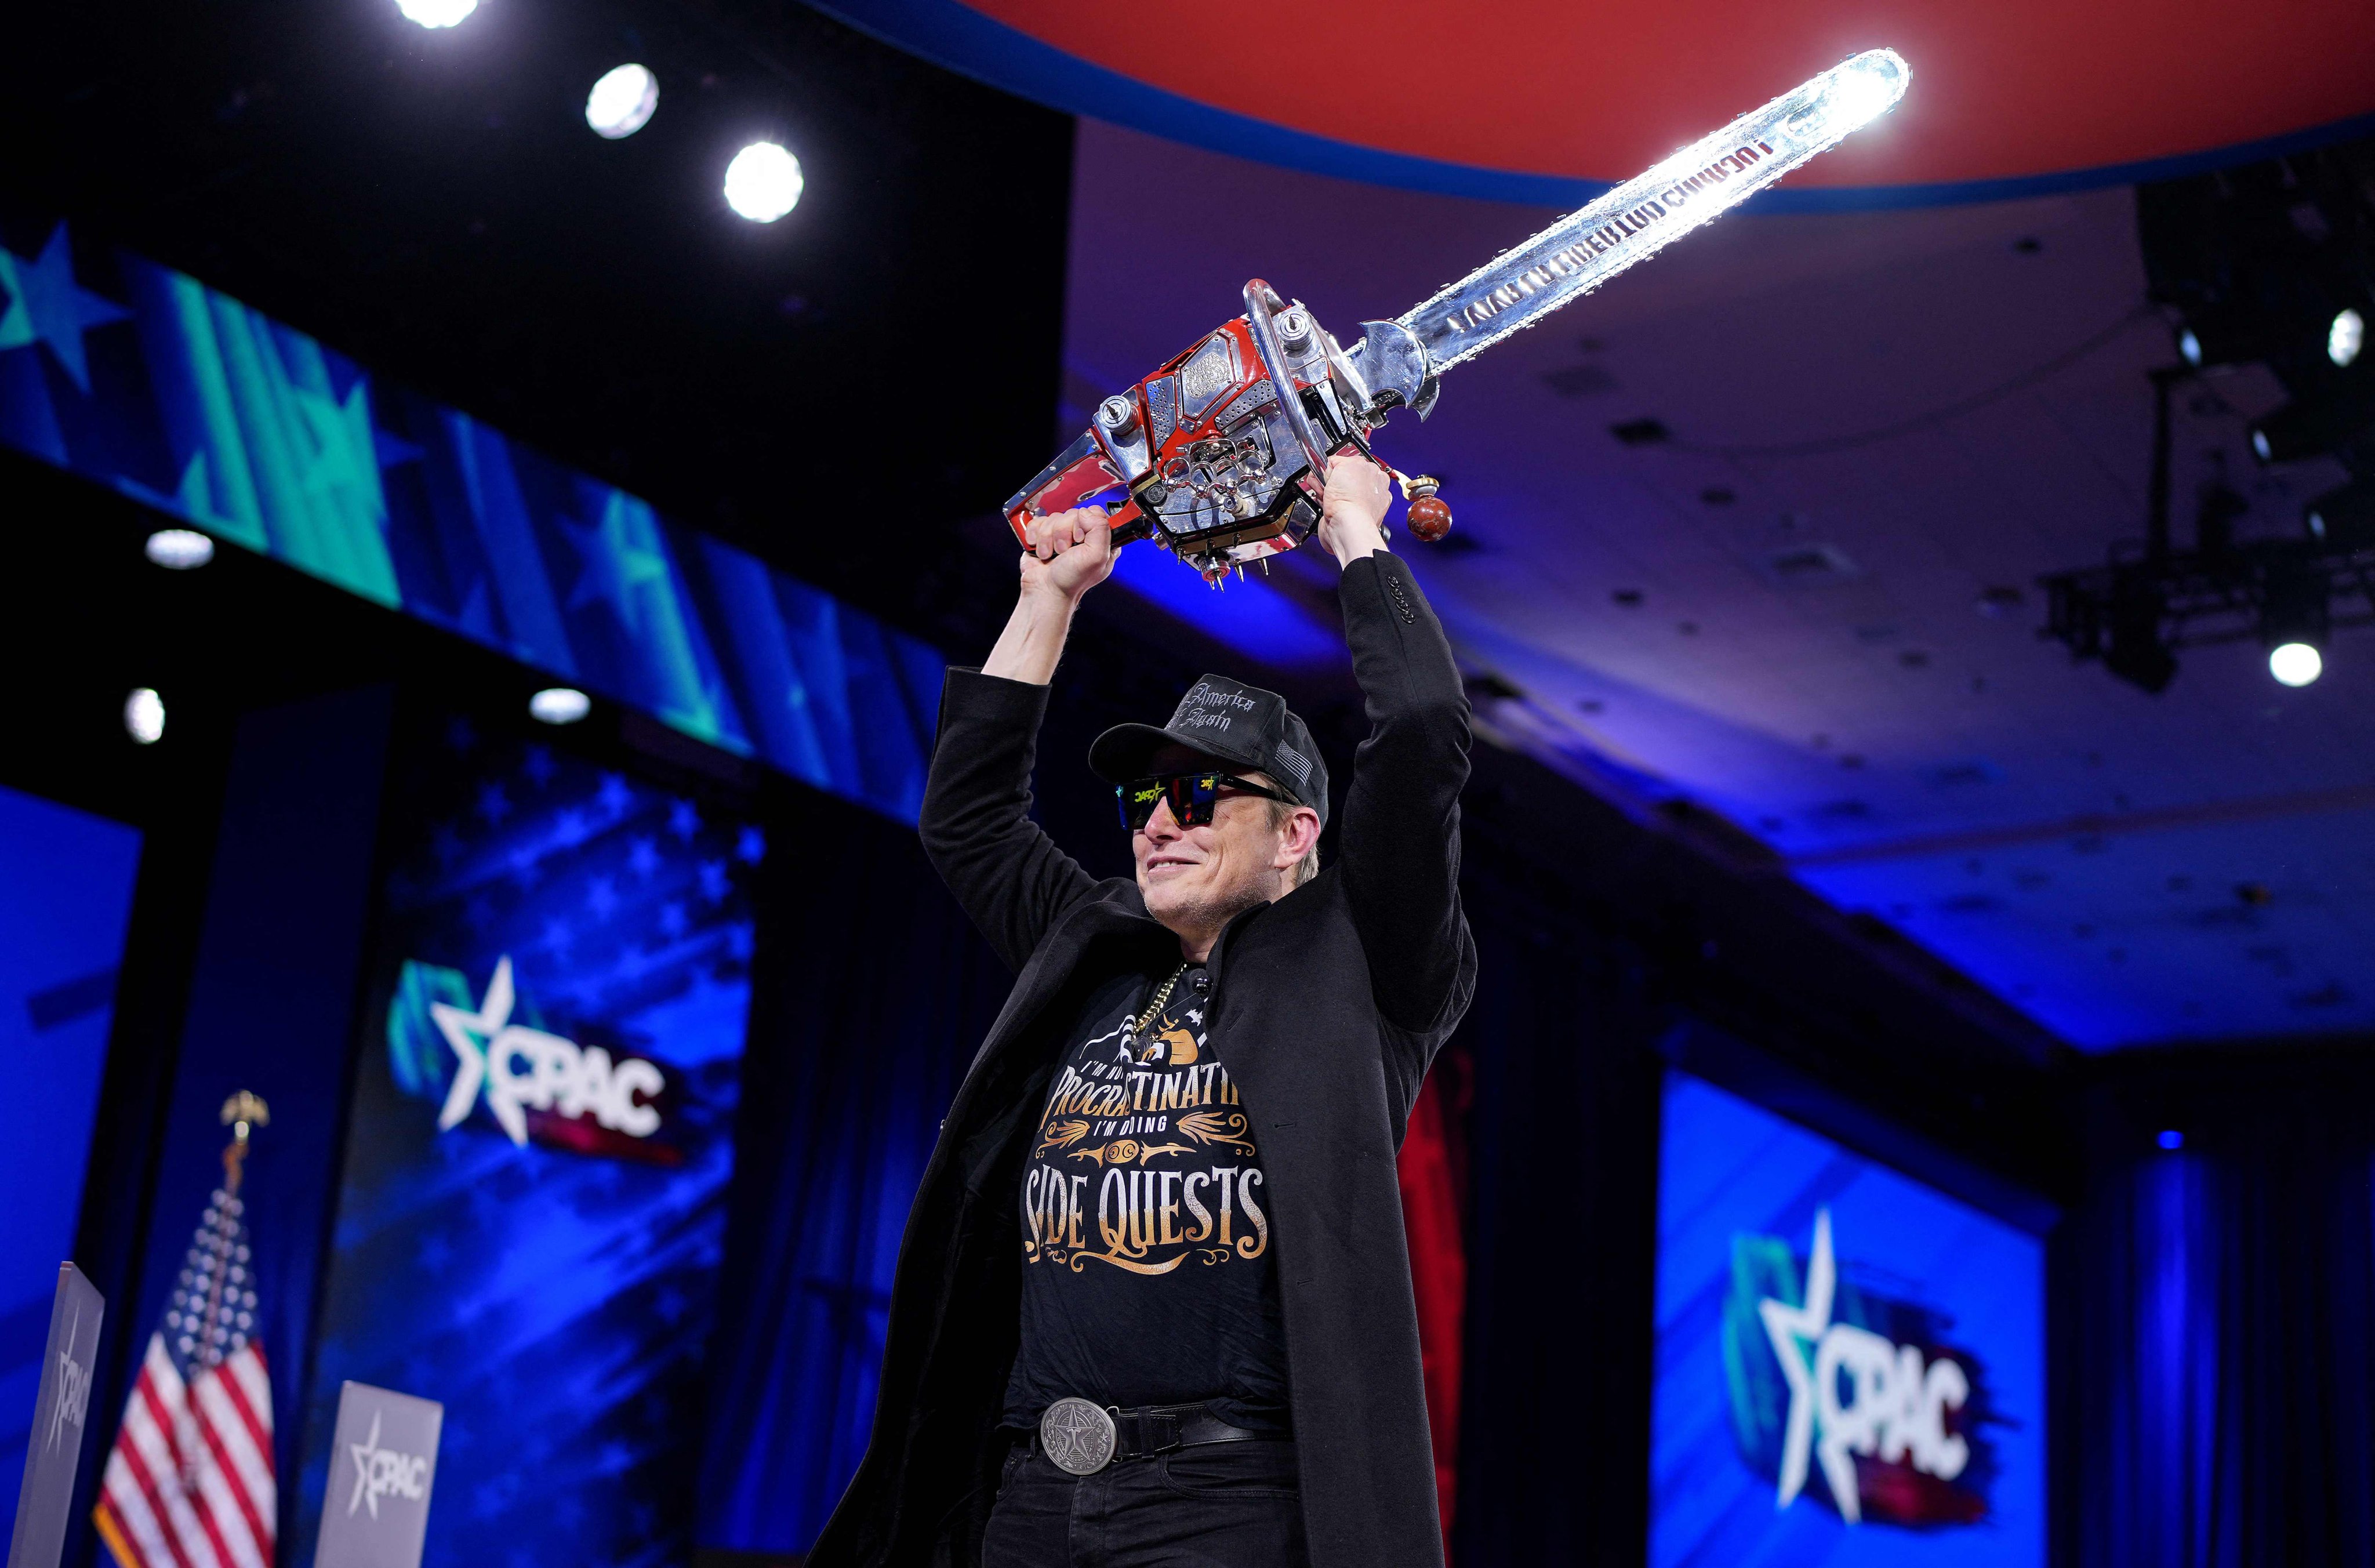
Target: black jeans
{"x":1215,"y":1505}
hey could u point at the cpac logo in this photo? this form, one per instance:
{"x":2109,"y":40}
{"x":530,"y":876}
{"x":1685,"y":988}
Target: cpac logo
{"x":383,"y":1472}
{"x":522,"y":1070}
{"x":1897,"y":1409}
{"x":74,"y":1391}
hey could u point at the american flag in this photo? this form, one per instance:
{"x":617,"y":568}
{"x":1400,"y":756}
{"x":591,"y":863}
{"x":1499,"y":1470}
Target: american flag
{"x":189,"y":1483}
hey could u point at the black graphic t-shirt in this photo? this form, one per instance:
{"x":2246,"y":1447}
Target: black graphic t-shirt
{"x":1147,"y":1276}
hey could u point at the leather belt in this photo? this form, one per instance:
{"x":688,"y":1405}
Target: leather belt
{"x":1080,"y":1439}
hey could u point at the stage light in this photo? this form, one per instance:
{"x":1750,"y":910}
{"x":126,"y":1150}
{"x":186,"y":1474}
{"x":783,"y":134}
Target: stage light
{"x":2171,"y":1139}
{"x":559,"y":705}
{"x":436,"y":13}
{"x":180,"y":550}
{"x":144,"y":716}
{"x":2295,"y":609}
{"x":622,"y":101}
{"x":2189,"y":347}
{"x":2296,"y":664}
{"x":2343,"y":519}
{"x":2345,"y":337}
{"x":764,"y":182}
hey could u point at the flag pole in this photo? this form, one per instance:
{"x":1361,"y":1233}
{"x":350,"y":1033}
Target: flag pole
{"x":242,"y":1113}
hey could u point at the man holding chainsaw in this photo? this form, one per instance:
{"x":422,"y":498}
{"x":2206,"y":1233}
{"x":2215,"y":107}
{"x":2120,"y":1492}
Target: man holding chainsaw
{"x":1153,"y":1306}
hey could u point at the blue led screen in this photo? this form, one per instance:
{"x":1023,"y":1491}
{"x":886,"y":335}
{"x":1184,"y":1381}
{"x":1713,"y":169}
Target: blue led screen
{"x":65,"y":894}
{"x":533,"y":1205}
{"x":145,"y":379}
{"x":1850,"y":1364}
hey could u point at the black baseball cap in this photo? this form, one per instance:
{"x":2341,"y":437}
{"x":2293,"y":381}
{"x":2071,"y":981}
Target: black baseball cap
{"x":1240,"y":724}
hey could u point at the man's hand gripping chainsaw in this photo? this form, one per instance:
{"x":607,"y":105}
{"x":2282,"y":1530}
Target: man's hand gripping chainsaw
{"x":1221,"y":454}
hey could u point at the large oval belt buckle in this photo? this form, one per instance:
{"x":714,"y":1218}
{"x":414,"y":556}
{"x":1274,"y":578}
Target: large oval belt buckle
{"x":1077,"y":1436}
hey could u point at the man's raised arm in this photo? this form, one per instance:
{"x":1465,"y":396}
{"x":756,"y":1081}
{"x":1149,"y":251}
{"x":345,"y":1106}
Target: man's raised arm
{"x":976,"y":824}
{"x":1399,"y":843}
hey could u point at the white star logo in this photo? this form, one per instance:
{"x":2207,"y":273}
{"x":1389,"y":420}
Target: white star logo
{"x":364,"y":1453}
{"x":465,"y":1032}
{"x":1795,"y":1331}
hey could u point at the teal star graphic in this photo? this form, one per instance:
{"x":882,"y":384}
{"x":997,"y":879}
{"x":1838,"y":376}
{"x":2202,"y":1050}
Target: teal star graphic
{"x":46,"y":305}
{"x":622,"y":553}
{"x":339,"y":455}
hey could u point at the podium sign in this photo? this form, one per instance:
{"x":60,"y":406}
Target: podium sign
{"x":55,"y":1451}
{"x":382,"y":1457}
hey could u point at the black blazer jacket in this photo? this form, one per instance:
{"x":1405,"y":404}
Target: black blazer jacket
{"x":1327,"y":1007}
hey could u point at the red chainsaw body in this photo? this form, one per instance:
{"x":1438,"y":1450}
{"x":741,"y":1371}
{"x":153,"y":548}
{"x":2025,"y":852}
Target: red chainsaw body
{"x":1203,"y":461}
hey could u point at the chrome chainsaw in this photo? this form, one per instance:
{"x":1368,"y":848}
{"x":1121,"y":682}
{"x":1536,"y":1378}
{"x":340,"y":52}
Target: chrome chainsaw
{"x":1220,"y":456}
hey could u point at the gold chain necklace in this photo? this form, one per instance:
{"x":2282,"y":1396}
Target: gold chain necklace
{"x":1139,"y":1024}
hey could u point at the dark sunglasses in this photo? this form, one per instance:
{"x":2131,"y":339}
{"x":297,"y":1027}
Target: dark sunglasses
{"x":1193,"y":798}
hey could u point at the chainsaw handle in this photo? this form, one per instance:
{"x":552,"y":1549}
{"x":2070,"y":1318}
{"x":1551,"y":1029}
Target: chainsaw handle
{"x":1080,"y":473}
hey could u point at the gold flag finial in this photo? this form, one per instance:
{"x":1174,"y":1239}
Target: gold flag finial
{"x":242,"y":1113}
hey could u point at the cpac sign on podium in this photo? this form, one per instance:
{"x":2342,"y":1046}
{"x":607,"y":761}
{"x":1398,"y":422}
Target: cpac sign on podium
{"x":60,"y":1410}
{"x":383,"y":1457}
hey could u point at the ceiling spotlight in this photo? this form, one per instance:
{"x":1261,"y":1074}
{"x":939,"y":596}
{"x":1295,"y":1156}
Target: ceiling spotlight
{"x":559,"y":705}
{"x":2296,"y":664}
{"x":622,"y":101}
{"x":2189,"y":347}
{"x":180,"y":550}
{"x":764,"y":182}
{"x":436,"y":13}
{"x":2293,"y":614}
{"x":144,"y":716}
{"x":2345,"y":338}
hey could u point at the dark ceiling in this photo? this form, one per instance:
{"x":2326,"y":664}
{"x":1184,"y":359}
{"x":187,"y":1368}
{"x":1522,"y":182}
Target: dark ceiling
{"x":832,"y":390}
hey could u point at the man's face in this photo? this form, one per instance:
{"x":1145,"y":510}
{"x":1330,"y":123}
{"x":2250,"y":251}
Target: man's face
{"x":1195,"y":876}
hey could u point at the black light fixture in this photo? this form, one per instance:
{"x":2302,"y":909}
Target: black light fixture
{"x":2215,"y":519}
{"x":2343,"y":519}
{"x":2313,"y":425}
{"x":2229,"y":334}
{"x":2270,"y":263}
{"x":2135,"y":652}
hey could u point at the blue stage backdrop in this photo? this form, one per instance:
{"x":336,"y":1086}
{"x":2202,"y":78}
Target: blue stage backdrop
{"x":147,"y":380}
{"x":533,"y":1205}
{"x":65,"y":893}
{"x":1849,"y":1366}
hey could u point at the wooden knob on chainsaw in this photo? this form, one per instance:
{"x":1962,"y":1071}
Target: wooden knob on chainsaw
{"x":1430,"y":519}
